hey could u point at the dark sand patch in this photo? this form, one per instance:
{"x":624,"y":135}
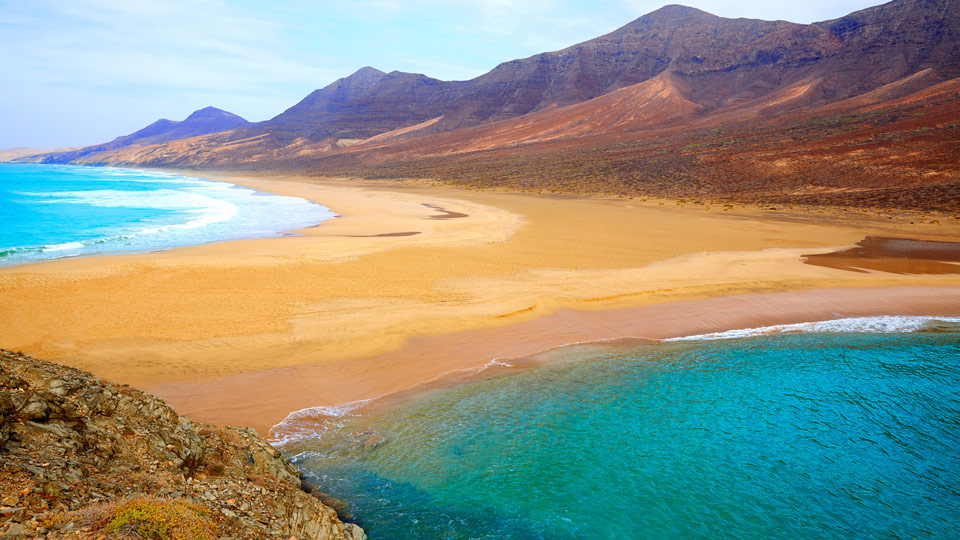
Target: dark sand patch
{"x":446,"y":214}
{"x":893,"y":255}
{"x":383,"y":235}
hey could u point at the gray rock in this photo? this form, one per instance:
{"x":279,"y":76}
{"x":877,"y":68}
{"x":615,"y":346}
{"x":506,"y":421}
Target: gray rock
{"x":15,"y":530}
{"x":35,"y":409}
{"x":59,"y":387}
{"x":352,"y":531}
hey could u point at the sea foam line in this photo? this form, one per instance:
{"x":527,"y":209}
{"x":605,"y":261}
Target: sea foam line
{"x":312,"y":422}
{"x":886,"y":324}
{"x":62,"y":247}
{"x":208,"y":210}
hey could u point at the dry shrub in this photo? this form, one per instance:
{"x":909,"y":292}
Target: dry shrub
{"x":158,"y":519}
{"x":145,"y":482}
{"x":265,"y":480}
{"x":149,"y":519}
{"x":230,"y":436}
{"x":225,"y":434}
{"x":215,"y":468}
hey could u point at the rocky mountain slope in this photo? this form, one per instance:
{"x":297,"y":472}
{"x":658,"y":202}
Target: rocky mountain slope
{"x":721,"y":62}
{"x":671,"y":81}
{"x":85,"y":458}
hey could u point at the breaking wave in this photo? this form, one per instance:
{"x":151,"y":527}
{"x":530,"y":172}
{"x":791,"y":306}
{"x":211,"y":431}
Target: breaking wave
{"x":887,"y":324}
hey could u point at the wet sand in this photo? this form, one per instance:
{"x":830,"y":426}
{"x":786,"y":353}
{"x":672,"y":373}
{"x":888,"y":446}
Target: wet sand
{"x":895,"y":255}
{"x":269,"y":396}
{"x":347,"y":297}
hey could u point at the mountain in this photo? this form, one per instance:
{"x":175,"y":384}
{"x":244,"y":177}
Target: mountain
{"x":661,"y":82}
{"x":724,"y":62}
{"x":12,"y":154}
{"x":364,"y":104}
{"x":675,"y":39}
{"x":200,"y":122}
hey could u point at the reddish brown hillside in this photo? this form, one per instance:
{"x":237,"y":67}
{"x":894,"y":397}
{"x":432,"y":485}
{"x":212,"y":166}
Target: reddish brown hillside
{"x":678,"y":102}
{"x":897,"y":153}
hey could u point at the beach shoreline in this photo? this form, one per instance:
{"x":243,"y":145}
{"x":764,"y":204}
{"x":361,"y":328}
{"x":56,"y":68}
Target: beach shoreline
{"x":122,"y":211}
{"x":408,"y":268}
{"x":271,"y":396}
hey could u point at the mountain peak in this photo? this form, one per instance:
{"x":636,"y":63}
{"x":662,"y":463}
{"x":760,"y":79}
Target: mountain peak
{"x":207,"y":114}
{"x":671,"y":15}
{"x":676,"y":11}
{"x":209,"y":109}
{"x":359,"y":81}
{"x":367,"y":71}
{"x":364,"y":77}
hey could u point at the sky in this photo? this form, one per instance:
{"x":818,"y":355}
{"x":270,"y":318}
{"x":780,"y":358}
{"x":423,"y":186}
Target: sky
{"x":80,"y":72}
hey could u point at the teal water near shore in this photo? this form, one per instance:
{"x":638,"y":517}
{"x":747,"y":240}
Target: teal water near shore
{"x":56,"y":211}
{"x":808,"y":432}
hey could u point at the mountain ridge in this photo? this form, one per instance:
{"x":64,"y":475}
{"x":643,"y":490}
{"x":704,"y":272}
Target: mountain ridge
{"x":200,"y":122}
{"x":673,"y":69}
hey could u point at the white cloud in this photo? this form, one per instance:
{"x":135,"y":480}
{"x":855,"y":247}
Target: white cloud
{"x":186,"y":45}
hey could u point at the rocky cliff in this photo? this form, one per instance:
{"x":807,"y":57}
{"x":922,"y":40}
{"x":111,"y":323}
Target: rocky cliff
{"x":85,"y":458}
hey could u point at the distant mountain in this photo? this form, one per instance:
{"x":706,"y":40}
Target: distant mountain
{"x":664,"y":77}
{"x":12,"y":154}
{"x":201,"y":122}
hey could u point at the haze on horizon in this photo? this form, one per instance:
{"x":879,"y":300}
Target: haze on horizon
{"x":85,"y":71}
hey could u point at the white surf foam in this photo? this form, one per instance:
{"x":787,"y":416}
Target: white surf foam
{"x":193,"y":211}
{"x":311,"y":422}
{"x":883,"y":324}
{"x":209,"y":210}
{"x":66,"y":246}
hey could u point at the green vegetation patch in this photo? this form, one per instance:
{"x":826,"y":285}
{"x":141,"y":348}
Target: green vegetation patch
{"x":156,"y":519}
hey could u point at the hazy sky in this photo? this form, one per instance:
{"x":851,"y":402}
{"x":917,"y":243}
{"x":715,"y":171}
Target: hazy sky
{"x":79,"y":72}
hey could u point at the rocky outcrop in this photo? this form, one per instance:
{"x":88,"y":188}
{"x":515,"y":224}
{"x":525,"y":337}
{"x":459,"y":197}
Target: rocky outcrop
{"x":83,"y":457}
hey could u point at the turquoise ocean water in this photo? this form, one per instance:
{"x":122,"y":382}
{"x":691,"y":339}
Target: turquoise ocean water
{"x":54,"y":211}
{"x":846,"y":429}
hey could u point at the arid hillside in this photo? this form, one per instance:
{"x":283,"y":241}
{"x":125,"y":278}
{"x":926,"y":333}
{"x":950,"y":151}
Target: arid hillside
{"x":861,"y":110}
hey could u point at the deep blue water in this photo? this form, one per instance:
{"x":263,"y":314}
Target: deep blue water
{"x":53,"y":211}
{"x":794,"y":435}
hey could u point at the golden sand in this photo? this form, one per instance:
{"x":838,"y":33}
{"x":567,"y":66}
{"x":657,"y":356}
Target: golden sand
{"x":362,"y":285}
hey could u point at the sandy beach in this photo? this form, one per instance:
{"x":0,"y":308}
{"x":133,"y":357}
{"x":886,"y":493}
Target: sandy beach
{"x":413,"y":281}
